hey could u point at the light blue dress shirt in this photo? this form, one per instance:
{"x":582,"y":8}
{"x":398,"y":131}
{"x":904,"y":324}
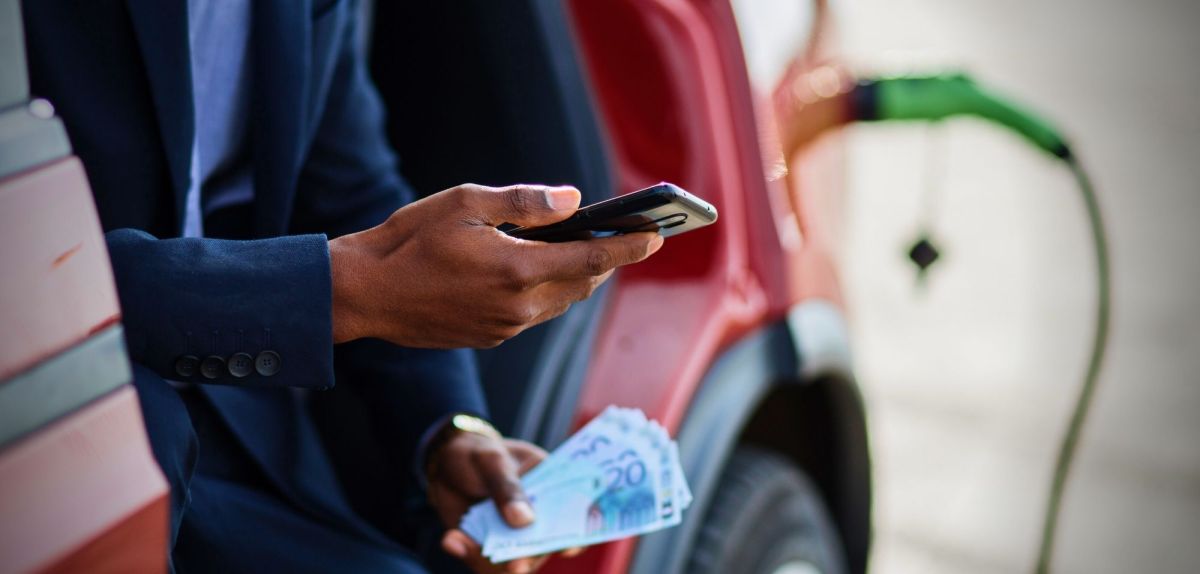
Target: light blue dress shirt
{"x":221,"y":172}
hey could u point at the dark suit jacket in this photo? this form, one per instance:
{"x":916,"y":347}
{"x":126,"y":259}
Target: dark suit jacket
{"x":117,"y":72}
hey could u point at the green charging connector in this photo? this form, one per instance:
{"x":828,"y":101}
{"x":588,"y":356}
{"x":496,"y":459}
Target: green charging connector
{"x":943,"y":96}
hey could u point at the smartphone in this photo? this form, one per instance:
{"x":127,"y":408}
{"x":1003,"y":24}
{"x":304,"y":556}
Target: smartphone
{"x":665,"y":208}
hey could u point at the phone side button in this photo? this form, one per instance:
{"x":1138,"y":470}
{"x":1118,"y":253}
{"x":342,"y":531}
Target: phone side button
{"x":671,"y":220}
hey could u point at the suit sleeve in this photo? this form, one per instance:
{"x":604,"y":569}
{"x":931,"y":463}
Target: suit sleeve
{"x":255,"y":313}
{"x":350,"y":182}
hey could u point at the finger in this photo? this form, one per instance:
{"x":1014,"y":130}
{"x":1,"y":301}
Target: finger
{"x":498,"y":469}
{"x":522,"y":565}
{"x":457,"y":544}
{"x":566,"y":292}
{"x":528,"y":455}
{"x":450,"y":505}
{"x":572,"y":552}
{"x":560,"y":295}
{"x":593,"y":257}
{"x":529,"y":205}
{"x":551,"y":312}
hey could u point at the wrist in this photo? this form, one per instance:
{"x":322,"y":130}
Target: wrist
{"x":456,"y":425}
{"x":346,"y":268}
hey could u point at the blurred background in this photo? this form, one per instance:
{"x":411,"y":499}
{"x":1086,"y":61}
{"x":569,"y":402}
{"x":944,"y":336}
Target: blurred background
{"x":969,"y":371}
{"x":969,"y":376}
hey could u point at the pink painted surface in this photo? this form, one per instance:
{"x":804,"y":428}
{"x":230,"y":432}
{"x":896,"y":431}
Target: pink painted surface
{"x":76,"y":480}
{"x":138,"y":545}
{"x":56,"y":285}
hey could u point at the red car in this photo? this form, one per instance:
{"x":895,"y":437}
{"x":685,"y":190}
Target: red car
{"x":732,"y":336}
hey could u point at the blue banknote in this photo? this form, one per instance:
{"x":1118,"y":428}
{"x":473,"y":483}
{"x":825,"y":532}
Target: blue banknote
{"x":618,"y":476}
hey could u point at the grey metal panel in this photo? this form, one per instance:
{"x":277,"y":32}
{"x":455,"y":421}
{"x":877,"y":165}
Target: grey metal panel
{"x":549,"y":407}
{"x":30,"y":136}
{"x":63,"y":383}
{"x":14,"y":80}
{"x":822,"y":338}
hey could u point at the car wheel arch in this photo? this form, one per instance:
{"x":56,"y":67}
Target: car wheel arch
{"x":762,"y":391}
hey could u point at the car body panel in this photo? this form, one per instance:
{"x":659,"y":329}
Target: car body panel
{"x":670,"y":81}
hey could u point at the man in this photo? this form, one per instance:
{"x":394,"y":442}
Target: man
{"x":263,"y":247}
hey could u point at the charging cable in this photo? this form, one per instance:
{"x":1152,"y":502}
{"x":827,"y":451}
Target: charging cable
{"x":939,"y":97}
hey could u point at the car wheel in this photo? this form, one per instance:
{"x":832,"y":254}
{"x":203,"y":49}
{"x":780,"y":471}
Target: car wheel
{"x":766,"y":518}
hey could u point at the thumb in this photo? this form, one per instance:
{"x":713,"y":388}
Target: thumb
{"x":498,"y":471}
{"x":528,"y":205}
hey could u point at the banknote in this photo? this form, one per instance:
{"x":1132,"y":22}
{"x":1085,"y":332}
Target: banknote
{"x":618,"y":476}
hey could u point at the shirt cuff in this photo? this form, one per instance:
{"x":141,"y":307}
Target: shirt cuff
{"x":423,"y":445}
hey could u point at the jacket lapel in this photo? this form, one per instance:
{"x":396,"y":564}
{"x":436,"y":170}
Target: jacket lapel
{"x":268,"y":422}
{"x":162,"y":33}
{"x":282,"y":58}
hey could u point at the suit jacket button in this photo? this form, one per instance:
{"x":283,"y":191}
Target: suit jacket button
{"x":187,"y":365}
{"x":267,"y":363}
{"x":212,"y":366}
{"x":241,"y":364}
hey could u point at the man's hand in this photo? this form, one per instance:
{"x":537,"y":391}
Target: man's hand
{"x":438,"y":274}
{"x":470,"y":467}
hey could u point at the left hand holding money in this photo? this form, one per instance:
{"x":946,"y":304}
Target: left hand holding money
{"x":466,"y":467}
{"x":618,"y":476}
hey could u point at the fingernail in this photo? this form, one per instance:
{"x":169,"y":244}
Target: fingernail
{"x":562,"y":198}
{"x":454,"y":546}
{"x":519,"y":513}
{"x":656,"y":243}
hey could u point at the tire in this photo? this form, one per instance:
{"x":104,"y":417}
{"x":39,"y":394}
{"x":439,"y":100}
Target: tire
{"x":766,"y":518}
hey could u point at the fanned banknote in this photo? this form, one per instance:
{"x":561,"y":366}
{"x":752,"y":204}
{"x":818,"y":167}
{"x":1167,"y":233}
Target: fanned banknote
{"x":619,"y":476}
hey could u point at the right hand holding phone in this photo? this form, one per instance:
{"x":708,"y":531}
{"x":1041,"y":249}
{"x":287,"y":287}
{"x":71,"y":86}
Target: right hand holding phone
{"x":438,"y":274}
